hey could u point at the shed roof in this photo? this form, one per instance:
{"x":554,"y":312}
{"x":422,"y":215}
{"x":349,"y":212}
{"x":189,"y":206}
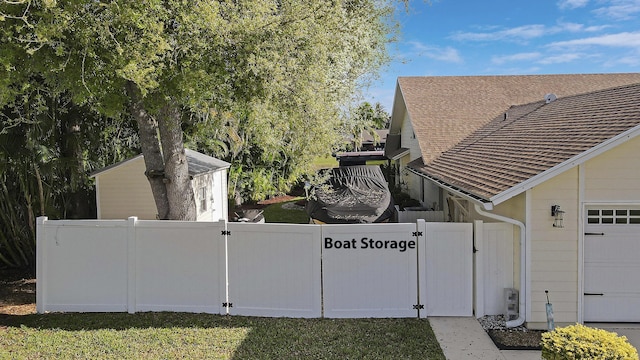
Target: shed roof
{"x":534,"y":138}
{"x":443,"y":110}
{"x":199,"y":163}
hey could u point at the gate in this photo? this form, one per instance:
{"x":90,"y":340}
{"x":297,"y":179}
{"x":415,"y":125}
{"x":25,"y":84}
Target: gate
{"x":369,"y":270}
{"x":446,"y":271}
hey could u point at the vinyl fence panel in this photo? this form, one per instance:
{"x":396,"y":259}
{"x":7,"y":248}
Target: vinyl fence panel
{"x":369,"y":270}
{"x":494,"y":266}
{"x":179,"y":266}
{"x":274,"y":270}
{"x":446,"y":271}
{"x":82,"y":266}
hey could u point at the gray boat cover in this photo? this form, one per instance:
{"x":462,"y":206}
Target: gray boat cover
{"x":352,"y":194}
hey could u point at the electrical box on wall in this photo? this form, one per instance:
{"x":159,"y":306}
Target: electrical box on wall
{"x":510,"y":304}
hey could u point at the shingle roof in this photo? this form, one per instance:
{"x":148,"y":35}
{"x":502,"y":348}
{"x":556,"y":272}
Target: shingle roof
{"x":533,"y":138}
{"x":199,"y":163}
{"x":446,"y":109}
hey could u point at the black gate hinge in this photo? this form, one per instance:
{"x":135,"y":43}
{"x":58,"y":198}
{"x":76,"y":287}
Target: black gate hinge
{"x":418,"y":306}
{"x":226,"y":232}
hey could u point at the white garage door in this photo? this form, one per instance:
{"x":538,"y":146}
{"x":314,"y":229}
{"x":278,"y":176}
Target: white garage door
{"x":612,"y":264}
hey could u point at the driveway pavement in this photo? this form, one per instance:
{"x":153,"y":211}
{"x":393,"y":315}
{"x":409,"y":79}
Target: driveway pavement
{"x":463,"y":338}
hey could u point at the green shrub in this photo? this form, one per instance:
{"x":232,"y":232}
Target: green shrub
{"x":582,"y":342}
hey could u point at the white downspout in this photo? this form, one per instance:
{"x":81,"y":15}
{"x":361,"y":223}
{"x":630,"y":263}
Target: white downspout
{"x":523,"y":278}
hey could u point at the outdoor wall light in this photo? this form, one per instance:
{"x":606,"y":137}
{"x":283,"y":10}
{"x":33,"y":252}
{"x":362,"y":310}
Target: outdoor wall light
{"x":558,"y":216}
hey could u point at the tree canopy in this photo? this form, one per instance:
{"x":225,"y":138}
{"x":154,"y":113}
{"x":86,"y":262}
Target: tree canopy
{"x":264,"y":82}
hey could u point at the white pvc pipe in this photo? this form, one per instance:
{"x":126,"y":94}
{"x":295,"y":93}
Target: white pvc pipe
{"x":523,"y":276}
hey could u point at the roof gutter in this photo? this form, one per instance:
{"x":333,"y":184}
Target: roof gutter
{"x":487,"y":205}
{"x":523,"y":276}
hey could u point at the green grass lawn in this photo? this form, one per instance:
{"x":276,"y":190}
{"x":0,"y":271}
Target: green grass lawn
{"x":275,"y":213}
{"x":204,"y":336}
{"x":325,"y":162}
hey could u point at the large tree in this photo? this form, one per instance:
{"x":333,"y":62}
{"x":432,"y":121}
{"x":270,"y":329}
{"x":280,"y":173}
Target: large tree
{"x":283,"y":70}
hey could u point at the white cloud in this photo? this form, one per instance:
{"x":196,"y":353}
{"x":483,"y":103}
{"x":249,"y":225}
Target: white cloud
{"x":576,"y":28}
{"x":499,"y":60}
{"x":446,"y":54}
{"x":633,"y":60}
{"x":620,"y":9}
{"x":624,"y":39}
{"x":526,"y":32}
{"x":559,"y":59}
{"x":572,"y":4}
{"x":518,"y":33}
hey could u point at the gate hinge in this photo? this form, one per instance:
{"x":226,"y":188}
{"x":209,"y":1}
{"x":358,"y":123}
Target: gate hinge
{"x":417,"y":233}
{"x":227,"y":305}
{"x":418,"y":306}
{"x":226,"y":232}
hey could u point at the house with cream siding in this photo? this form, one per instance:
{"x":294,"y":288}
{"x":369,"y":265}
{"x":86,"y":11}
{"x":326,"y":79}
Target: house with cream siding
{"x":554,"y":155}
{"x":122,"y":189}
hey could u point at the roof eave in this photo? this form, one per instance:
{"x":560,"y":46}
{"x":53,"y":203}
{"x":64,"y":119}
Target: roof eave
{"x":400,"y":154}
{"x":113,"y":166}
{"x":566,"y":165}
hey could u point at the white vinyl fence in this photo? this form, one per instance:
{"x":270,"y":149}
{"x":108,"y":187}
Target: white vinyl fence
{"x":411,"y":216}
{"x":335,"y":271}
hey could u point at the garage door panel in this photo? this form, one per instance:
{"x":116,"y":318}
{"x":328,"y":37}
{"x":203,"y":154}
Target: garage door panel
{"x":612,"y":264}
{"x":599,"y":308}
{"x":612,"y":247}
{"x":611,"y":278}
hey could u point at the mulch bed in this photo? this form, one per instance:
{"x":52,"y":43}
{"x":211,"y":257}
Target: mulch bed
{"x":277,"y":199}
{"x":516,"y":340}
{"x":17,"y":291}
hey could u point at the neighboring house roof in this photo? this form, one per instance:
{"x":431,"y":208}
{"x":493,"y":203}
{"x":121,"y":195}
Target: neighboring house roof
{"x":530,"y":140}
{"x":199,"y":163}
{"x":443,"y":110}
{"x":367,"y":138}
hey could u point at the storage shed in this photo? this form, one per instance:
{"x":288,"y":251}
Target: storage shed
{"x":122,"y":189}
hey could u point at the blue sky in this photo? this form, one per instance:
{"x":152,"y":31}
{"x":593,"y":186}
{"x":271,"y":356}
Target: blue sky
{"x":516,"y":37}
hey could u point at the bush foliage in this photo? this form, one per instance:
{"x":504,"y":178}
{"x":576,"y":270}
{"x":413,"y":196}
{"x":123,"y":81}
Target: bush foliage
{"x":582,"y":342}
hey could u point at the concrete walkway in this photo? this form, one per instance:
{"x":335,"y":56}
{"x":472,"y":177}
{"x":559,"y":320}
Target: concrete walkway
{"x":464,"y":338}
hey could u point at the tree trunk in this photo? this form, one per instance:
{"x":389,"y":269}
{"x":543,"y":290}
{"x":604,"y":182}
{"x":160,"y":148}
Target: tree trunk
{"x":179,"y":190}
{"x":154,"y":163}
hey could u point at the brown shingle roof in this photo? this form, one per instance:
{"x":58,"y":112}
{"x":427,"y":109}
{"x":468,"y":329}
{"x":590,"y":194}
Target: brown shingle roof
{"x":446,"y":109}
{"x":534,"y":138}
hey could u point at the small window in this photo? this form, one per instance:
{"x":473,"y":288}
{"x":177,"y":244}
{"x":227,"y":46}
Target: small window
{"x":203,"y":199}
{"x":613,"y":216}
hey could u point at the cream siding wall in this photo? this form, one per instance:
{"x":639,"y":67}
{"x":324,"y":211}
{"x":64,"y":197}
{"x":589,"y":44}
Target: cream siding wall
{"x":554,"y":251}
{"x":124,"y":191}
{"x":615,"y":175}
{"x":409,"y":141}
{"x":610,"y":178}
